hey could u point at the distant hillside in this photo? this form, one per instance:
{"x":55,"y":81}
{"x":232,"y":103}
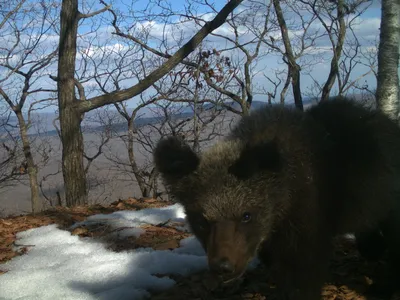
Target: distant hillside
{"x":186,"y":113}
{"x":43,"y":122}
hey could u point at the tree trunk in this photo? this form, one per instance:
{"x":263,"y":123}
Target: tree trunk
{"x":70,"y":118}
{"x":294,"y":68}
{"x":72,"y":158}
{"x":387,"y":93}
{"x":154,"y":185}
{"x":298,"y":100}
{"x":337,"y":52}
{"x":132,"y":160}
{"x":285,"y":86}
{"x":31,"y":166}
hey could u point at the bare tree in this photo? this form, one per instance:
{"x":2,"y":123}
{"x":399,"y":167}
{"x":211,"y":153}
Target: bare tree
{"x":196,"y":99}
{"x":129,"y":139}
{"x":51,"y":192}
{"x":387,"y":92}
{"x":199,"y":126}
{"x":298,"y":31}
{"x":72,"y":109}
{"x":248,"y":51}
{"x":10,"y":154}
{"x":293,"y":67}
{"x":369,"y":60}
{"x":27,"y":54}
{"x":230,"y":60}
{"x":275,"y":80}
{"x":292,"y":37}
{"x":8,"y":167}
{"x":336,"y":28}
{"x":335,"y":17}
{"x":230,"y":69}
{"x":7,"y":14}
{"x":166,"y":114}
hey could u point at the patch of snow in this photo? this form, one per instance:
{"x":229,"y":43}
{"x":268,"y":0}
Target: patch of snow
{"x":132,"y":219}
{"x":59,"y":265}
{"x":190,"y":245}
{"x":350,"y":236}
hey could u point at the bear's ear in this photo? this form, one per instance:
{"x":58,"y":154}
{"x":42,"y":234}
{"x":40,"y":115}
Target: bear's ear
{"x":256,"y":158}
{"x":174,"y":158}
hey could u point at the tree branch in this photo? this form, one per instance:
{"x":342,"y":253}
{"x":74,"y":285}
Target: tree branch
{"x":11,"y":12}
{"x":6,"y":98}
{"x":183,"y":52}
{"x":85,"y":16}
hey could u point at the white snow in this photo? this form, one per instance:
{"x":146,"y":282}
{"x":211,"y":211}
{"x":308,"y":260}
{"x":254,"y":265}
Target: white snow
{"x":132,"y":219}
{"x":59,"y":265}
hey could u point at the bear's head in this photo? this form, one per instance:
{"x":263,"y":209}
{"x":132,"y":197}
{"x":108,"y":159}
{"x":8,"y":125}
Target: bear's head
{"x":229,"y":193}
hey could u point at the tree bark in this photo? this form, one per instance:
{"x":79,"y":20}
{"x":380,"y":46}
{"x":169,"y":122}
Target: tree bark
{"x":132,"y":159}
{"x":387,"y":93}
{"x":30,"y":162}
{"x":298,"y":100}
{"x":70,"y":118}
{"x":72,"y":157}
{"x":337,"y":52}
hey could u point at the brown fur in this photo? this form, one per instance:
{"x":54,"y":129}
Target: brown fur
{"x":302,"y":177}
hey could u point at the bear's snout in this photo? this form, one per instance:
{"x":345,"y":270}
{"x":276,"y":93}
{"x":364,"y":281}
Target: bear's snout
{"x":222,"y":266}
{"x":227,"y":250}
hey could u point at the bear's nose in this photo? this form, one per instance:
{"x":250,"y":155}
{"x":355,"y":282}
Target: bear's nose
{"x":222,"y":266}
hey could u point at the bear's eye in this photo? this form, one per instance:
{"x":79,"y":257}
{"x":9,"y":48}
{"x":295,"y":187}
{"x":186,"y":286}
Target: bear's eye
{"x":246,"y":217}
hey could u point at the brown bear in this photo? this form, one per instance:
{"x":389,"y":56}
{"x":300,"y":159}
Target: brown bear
{"x":284,"y":183}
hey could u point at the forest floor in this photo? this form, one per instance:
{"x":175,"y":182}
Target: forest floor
{"x":350,"y":275}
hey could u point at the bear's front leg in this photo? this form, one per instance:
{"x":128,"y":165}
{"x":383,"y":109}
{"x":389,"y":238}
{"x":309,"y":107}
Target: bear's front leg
{"x":302,"y":271}
{"x":302,"y":282}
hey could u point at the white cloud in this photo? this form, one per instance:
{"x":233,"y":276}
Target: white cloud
{"x":367,"y":28}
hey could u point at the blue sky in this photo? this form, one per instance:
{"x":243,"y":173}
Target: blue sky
{"x":368,"y":30}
